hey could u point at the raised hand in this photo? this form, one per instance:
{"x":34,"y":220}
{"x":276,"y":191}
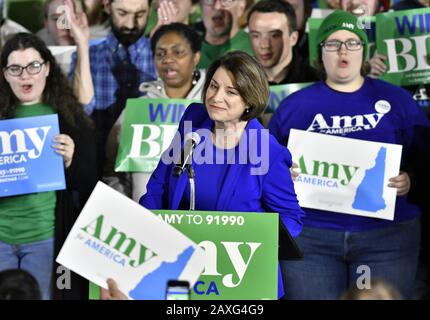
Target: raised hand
{"x":79,"y":28}
{"x":167,"y":13}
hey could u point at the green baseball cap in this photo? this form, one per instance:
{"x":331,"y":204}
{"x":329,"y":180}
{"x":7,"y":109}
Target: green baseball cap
{"x":341,"y":20}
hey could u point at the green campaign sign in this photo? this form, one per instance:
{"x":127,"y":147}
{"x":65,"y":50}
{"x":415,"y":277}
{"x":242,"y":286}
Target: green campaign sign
{"x":148,"y":129}
{"x":280,"y":92}
{"x":241,"y":253}
{"x":404,"y":37}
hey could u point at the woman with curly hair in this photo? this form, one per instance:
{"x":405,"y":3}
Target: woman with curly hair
{"x":34,"y":226}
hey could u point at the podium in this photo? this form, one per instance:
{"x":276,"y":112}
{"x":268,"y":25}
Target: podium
{"x":243,"y":252}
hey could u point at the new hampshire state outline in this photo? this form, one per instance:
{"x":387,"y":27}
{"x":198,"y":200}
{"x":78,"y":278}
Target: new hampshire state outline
{"x":153,"y":285}
{"x":369,"y":194}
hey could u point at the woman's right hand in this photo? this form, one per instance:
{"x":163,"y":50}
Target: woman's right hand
{"x":112,"y":293}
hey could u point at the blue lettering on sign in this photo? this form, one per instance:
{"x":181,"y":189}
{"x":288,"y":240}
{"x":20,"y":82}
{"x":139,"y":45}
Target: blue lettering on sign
{"x":27,"y":142}
{"x":163,"y":113}
{"x":411,"y":25}
{"x":327,"y":183}
{"x":110,"y":254}
{"x":199,"y":288}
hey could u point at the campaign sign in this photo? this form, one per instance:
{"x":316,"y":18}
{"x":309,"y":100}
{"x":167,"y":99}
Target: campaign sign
{"x":115,"y":237}
{"x":149,"y":128}
{"x":28,"y":162}
{"x":241,"y":250}
{"x":404,"y":37}
{"x":241,"y":253}
{"x":345,"y":175}
{"x":280,"y":92}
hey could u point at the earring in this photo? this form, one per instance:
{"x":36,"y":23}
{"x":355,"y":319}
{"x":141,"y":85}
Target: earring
{"x":196,"y":77}
{"x":247,"y":110}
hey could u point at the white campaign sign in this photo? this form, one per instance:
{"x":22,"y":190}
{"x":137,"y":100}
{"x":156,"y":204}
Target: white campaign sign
{"x":345,"y":175}
{"x":115,"y":237}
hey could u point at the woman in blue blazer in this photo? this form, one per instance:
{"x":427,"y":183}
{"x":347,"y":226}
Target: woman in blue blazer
{"x":238,"y":165}
{"x":254,"y":176}
{"x":270,"y":189}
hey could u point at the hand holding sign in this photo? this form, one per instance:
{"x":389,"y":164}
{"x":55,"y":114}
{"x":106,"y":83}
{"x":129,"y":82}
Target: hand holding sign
{"x":377,"y":65}
{"x":65,"y":147}
{"x":113,"y":293}
{"x":402,"y":182}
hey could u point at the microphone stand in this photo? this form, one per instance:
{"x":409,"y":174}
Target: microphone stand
{"x":191,"y":175}
{"x":191,"y":141}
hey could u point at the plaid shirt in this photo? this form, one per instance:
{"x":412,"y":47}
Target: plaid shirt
{"x":117,"y":72}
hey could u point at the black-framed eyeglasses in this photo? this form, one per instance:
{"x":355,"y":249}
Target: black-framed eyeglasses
{"x":224,"y":3}
{"x":335,"y":45}
{"x":32,"y":68}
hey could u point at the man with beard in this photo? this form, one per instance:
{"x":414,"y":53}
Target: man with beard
{"x":222,"y":30}
{"x":109,"y":72}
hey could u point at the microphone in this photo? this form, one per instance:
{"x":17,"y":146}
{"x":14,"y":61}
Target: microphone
{"x":192,"y":139}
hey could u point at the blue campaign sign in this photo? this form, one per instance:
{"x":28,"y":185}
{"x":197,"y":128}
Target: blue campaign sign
{"x":28,"y":162}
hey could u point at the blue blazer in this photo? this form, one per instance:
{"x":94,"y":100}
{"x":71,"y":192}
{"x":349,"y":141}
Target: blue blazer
{"x":271,"y":191}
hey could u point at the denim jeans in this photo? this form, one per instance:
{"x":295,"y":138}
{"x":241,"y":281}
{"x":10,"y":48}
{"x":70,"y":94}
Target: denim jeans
{"x":332,"y":259}
{"x":36,"y":258}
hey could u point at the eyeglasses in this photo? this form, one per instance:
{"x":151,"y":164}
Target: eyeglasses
{"x":224,"y":3}
{"x":335,"y":45}
{"x":32,"y":68}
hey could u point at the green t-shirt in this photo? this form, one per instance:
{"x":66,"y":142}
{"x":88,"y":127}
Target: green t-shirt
{"x":211,"y":52}
{"x":31,"y":217}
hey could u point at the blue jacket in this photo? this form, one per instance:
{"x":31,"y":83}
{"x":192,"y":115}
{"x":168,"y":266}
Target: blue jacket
{"x":243,"y":192}
{"x":270,"y":192}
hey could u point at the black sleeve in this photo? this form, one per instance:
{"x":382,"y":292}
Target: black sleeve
{"x":416,"y":165}
{"x":82,"y":175}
